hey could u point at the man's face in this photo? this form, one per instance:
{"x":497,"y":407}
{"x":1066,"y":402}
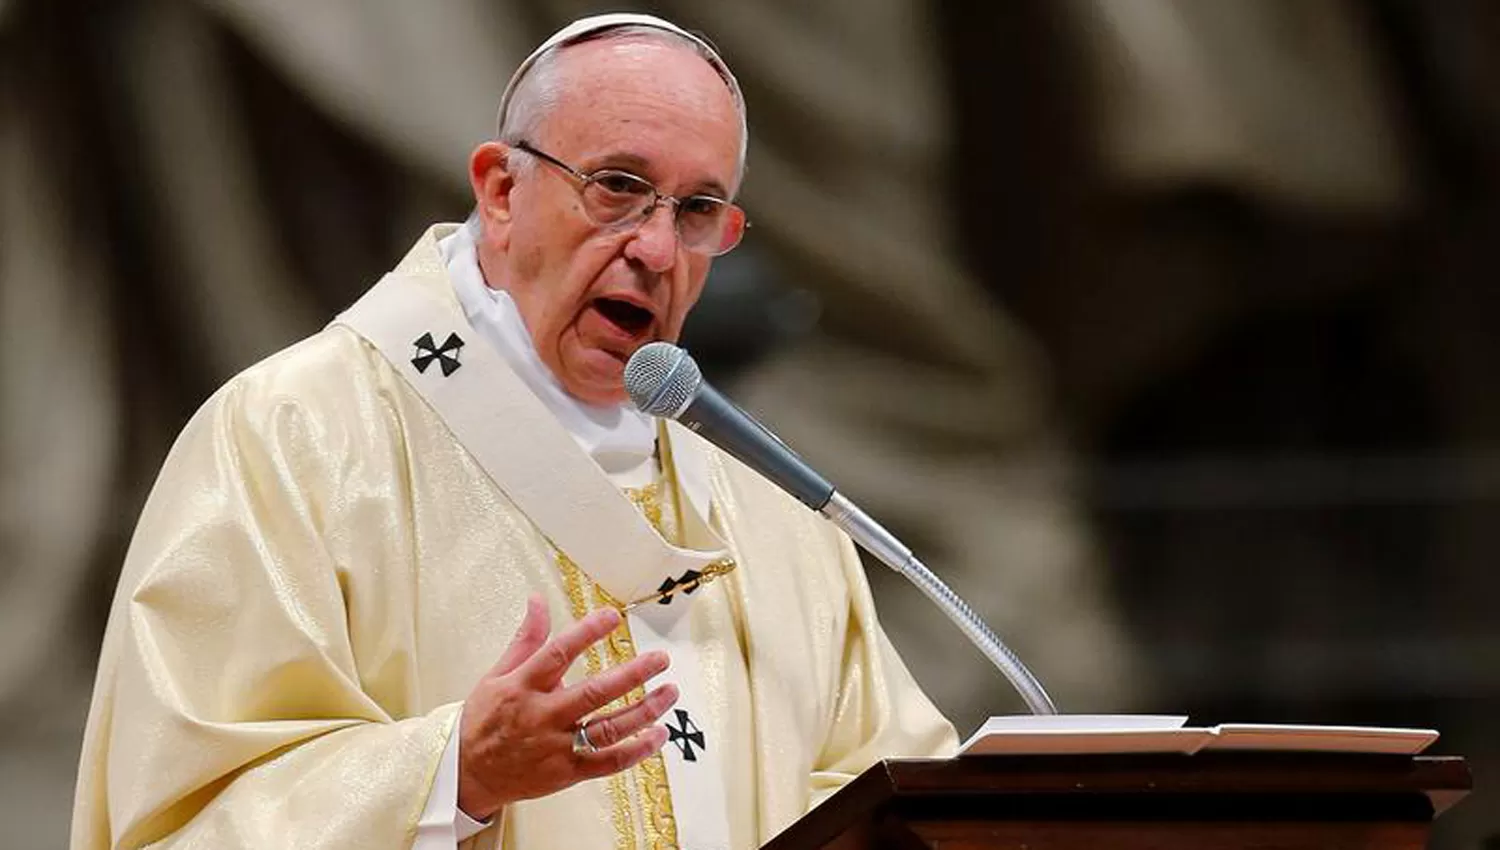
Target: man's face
{"x":592,"y":295}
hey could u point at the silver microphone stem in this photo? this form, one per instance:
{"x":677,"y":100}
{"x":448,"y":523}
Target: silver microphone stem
{"x":873,"y":538}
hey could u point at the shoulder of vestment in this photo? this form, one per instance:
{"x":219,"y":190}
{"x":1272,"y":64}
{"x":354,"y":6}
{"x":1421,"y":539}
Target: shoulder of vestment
{"x":329,"y":389}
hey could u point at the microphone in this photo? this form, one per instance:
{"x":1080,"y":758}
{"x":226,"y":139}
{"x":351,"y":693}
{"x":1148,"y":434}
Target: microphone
{"x":664,"y":381}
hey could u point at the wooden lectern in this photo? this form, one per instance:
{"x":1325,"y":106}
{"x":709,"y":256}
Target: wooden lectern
{"x":1208,"y":801}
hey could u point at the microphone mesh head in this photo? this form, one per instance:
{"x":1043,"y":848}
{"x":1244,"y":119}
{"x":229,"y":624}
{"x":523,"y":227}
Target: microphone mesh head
{"x":661,"y":379}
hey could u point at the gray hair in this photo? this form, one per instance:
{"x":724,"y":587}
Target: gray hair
{"x":538,"y":92}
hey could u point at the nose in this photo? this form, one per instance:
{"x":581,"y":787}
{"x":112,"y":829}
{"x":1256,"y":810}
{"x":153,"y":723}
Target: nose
{"x":654,"y":243}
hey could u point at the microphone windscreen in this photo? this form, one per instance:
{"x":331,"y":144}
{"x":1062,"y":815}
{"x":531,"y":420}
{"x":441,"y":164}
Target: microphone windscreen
{"x":662,"y":379}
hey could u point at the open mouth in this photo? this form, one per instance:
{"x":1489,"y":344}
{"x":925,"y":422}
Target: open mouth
{"x":630,"y":318}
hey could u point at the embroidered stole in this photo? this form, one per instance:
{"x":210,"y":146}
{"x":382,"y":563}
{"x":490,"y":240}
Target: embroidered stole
{"x":646,"y":788}
{"x":607,"y":550}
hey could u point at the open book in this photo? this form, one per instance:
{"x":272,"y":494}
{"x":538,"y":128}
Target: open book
{"x":1080,"y":734}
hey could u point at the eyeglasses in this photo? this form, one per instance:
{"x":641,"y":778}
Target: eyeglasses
{"x":619,"y":199}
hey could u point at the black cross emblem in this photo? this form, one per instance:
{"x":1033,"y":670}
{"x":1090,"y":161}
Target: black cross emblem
{"x":446,"y":356}
{"x":688,"y":583}
{"x":685,"y":735}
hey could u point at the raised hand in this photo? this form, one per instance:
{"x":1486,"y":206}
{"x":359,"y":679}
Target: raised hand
{"x":516,"y":733}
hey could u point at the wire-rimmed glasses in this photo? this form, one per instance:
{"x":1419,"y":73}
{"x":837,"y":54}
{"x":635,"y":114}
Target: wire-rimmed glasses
{"x":615,"y":198}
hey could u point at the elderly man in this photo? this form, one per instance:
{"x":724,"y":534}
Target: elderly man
{"x":335,"y":624}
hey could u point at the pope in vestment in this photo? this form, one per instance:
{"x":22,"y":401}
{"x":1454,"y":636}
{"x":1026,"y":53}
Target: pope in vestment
{"x":426,"y":579}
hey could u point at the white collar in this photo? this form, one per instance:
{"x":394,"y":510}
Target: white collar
{"x":619,"y":438}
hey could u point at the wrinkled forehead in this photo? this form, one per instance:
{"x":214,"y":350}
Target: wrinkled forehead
{"x":653,"y":109}
{"x":600,"y":26}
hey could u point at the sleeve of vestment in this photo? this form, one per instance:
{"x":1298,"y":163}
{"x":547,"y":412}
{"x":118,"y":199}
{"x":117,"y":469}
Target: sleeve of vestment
{"x":229,"y":710}
{"x":881,"y":711}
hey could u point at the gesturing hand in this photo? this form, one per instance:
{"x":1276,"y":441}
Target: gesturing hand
{"x":516,"y":733}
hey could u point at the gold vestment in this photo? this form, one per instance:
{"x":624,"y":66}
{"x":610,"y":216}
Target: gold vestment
{"x":323,"y":572}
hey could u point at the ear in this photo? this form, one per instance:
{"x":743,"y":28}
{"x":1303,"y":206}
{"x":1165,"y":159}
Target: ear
{"x":491,"y":178}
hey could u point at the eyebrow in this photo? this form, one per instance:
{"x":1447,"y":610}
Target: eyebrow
{"x":638,"y":166}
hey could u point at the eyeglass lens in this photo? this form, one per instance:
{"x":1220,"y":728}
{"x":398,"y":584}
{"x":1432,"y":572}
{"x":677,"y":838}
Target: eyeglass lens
{"x":704,"y":223}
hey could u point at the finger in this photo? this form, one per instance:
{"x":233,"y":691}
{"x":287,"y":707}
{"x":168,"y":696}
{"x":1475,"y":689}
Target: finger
{"x":622,"y":756}
{"x":616,"y":726}
{"x":595,"y":692}
{"x":545,"y":668}
{"x":529,"y":637}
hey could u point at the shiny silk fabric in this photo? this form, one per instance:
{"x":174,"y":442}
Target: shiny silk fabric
{"x":322,"y":573}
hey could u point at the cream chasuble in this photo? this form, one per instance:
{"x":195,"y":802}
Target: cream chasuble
{"x":340,"y":544}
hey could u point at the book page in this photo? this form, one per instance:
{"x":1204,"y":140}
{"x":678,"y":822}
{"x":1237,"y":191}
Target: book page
{"x":1085,"y":734}
{"x":1337,"y":739}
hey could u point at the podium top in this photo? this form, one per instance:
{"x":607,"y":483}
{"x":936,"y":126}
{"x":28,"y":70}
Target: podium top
{"x":1144,"y":787}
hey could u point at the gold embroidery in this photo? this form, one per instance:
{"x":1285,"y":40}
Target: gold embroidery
{"x":653,"y":791}
{"x":661,"y":823}
{"x":621,"y":813}
{"x":664,"y":446}
{"x":578,"y":601}
{"x":648,"y":500}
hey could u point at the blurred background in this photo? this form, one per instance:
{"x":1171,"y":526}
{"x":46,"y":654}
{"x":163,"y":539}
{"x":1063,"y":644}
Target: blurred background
{"x":1163,"y":328}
